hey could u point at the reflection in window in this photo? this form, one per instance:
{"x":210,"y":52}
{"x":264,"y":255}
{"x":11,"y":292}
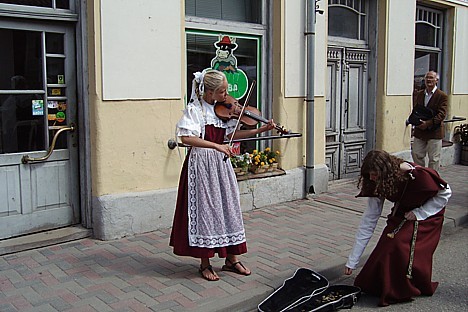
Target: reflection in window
{"x":21,"y":108}
{"x":428,"y":39}
{"x":248,"y":11}
{"x":59,"y":4}
{"x":425,"y":35}
{"x":347,"y":19}
{"x":54,"y":43}
{"x":20,"y":56}
{"x":428,"y":27}
{"x":425,"y":61}
{"x":55,"y":68}
{"x":22,"y":122}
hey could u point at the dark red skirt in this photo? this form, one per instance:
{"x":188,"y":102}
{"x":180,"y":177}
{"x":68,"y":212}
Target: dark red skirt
{"x":384,"y":273}
{"x":179,"y":233}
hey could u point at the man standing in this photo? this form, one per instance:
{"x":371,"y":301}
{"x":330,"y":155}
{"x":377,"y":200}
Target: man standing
{"x":428,"y":135}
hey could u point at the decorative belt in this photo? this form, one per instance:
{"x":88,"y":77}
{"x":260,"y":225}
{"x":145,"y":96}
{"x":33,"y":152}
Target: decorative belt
{"x":413,"y":244}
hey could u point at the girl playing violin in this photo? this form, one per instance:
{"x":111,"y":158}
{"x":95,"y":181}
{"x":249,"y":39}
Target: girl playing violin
{"x":208,"y":217}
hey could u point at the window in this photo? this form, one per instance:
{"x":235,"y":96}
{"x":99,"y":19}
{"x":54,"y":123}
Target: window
{"x":30,"y":100}
{"x":201,"y":52}
{"x":56,"y":4}
{"x":239,"y":24}
{"x":428,"y":39}
{"x":248,"y":11}
{"x":347,"y":19}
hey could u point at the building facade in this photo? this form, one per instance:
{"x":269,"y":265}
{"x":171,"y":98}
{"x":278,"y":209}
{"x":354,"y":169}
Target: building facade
{"x":90,"y":92}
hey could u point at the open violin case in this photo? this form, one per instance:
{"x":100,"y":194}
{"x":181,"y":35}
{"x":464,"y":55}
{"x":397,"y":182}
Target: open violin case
{"x":308,"y":291}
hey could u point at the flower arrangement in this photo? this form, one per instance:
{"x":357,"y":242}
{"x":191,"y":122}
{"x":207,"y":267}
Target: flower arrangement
{"x":266,"y":160}
{"x":259,"y":158}
{"x":256,"y":162}
{"x":271,"y":156}
{"x":462,"y":132}
{"x":241,"y":162}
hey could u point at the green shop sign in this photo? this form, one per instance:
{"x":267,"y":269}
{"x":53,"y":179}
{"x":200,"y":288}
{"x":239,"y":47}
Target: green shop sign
{"x":226,"y":62}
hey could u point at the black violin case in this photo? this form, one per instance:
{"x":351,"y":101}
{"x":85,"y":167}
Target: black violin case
{"x":308,"y":291}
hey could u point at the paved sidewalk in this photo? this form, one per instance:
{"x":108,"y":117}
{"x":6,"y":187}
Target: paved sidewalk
{"x":141,"y":273}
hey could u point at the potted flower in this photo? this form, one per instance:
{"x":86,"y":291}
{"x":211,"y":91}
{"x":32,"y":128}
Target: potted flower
{"x":272,"y":158}
{"x":259,"y":162}
{"x":240,"y":163}
{"x":461,"y":131}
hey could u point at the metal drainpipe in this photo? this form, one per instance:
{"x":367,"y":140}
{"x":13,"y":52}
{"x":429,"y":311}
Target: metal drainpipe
{"x":310,"y":62}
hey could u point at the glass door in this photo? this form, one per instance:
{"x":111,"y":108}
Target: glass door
{"x":38,"y":152}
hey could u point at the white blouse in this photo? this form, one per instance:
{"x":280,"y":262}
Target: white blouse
{"x":196,"y":116}
{"x":372,"y":214}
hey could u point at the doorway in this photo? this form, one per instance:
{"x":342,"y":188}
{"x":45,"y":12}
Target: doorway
{"x":346,"y":103}
{"x":39,"y":176}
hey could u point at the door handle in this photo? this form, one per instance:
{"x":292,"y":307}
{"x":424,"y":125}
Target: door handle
{"x":25,"y":159}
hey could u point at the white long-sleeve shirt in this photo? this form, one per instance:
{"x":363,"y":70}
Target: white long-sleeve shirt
{"x":371,"y":216}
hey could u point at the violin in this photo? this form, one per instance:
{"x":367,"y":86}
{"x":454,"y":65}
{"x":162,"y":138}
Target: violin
{"x":231,"y":109}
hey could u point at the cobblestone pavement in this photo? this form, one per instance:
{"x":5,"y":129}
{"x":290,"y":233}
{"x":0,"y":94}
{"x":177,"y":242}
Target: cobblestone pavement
{"x":140,"y":273}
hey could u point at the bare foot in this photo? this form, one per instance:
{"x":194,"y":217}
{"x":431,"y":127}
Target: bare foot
{"x":208,"y":273}
{"x":234,"y":265}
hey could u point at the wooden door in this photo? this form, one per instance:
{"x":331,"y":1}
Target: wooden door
{"x":39,"y":183}
{"x":346,"y":103}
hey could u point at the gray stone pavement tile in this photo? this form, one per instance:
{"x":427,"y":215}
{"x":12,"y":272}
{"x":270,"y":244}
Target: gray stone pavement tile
{"x":141,"y":273}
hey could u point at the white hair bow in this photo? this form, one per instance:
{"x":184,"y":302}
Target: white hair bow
{"x":199,"y":77}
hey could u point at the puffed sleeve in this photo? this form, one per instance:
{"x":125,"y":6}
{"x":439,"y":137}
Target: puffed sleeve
{"x":191,"y":122}
{"x":366,"y":230}
{"x":433,"y":205}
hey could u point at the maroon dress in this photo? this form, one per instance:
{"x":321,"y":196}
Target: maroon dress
{"x":179,"y":236}
{"x":385,"y":272}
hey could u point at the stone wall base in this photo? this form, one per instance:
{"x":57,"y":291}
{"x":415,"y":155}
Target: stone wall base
{"x":117,"y":216}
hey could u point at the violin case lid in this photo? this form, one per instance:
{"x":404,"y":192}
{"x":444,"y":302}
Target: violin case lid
{"x":308,"y":291}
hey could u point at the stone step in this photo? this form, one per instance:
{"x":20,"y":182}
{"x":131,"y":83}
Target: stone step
{"x":43,"y":239}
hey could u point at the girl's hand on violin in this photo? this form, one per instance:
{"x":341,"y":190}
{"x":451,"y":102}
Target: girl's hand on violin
{"x":225,"y":149}
{"x":269,"y":126}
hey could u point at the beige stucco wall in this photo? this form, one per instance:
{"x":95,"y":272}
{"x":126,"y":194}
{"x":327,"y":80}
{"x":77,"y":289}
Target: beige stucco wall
{"x":393,"y":108}
{"x":129,"y":138}
{"x":290,"y":111}
{"x":131,"y":152}
{"x":394,"y":86}
{"x":392,"y":134}
{"x":286,"y":111}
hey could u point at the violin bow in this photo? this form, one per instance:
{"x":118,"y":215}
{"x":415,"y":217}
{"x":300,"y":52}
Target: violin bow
{"x":240,"y":115}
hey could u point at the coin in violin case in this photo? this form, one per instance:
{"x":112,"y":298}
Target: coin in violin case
{"x":309,"y":291}
{"x":333,"y":298}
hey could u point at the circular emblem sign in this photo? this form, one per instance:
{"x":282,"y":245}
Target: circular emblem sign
{"x":237,"y":83}
{"x":60,"y":116}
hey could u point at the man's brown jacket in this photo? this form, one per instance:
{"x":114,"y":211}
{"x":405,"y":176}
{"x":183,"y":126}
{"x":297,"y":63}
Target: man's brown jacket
{"x":438,"y":104}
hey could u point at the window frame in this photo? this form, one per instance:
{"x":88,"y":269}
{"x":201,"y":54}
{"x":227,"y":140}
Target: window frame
{"x":357,"y":43}
{"x":195,"y":24}
{"x":440,"y":39}
{"x":28,"y":11}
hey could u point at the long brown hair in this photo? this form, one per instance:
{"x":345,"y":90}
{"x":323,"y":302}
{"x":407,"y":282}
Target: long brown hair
{"x":388,"y":169}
